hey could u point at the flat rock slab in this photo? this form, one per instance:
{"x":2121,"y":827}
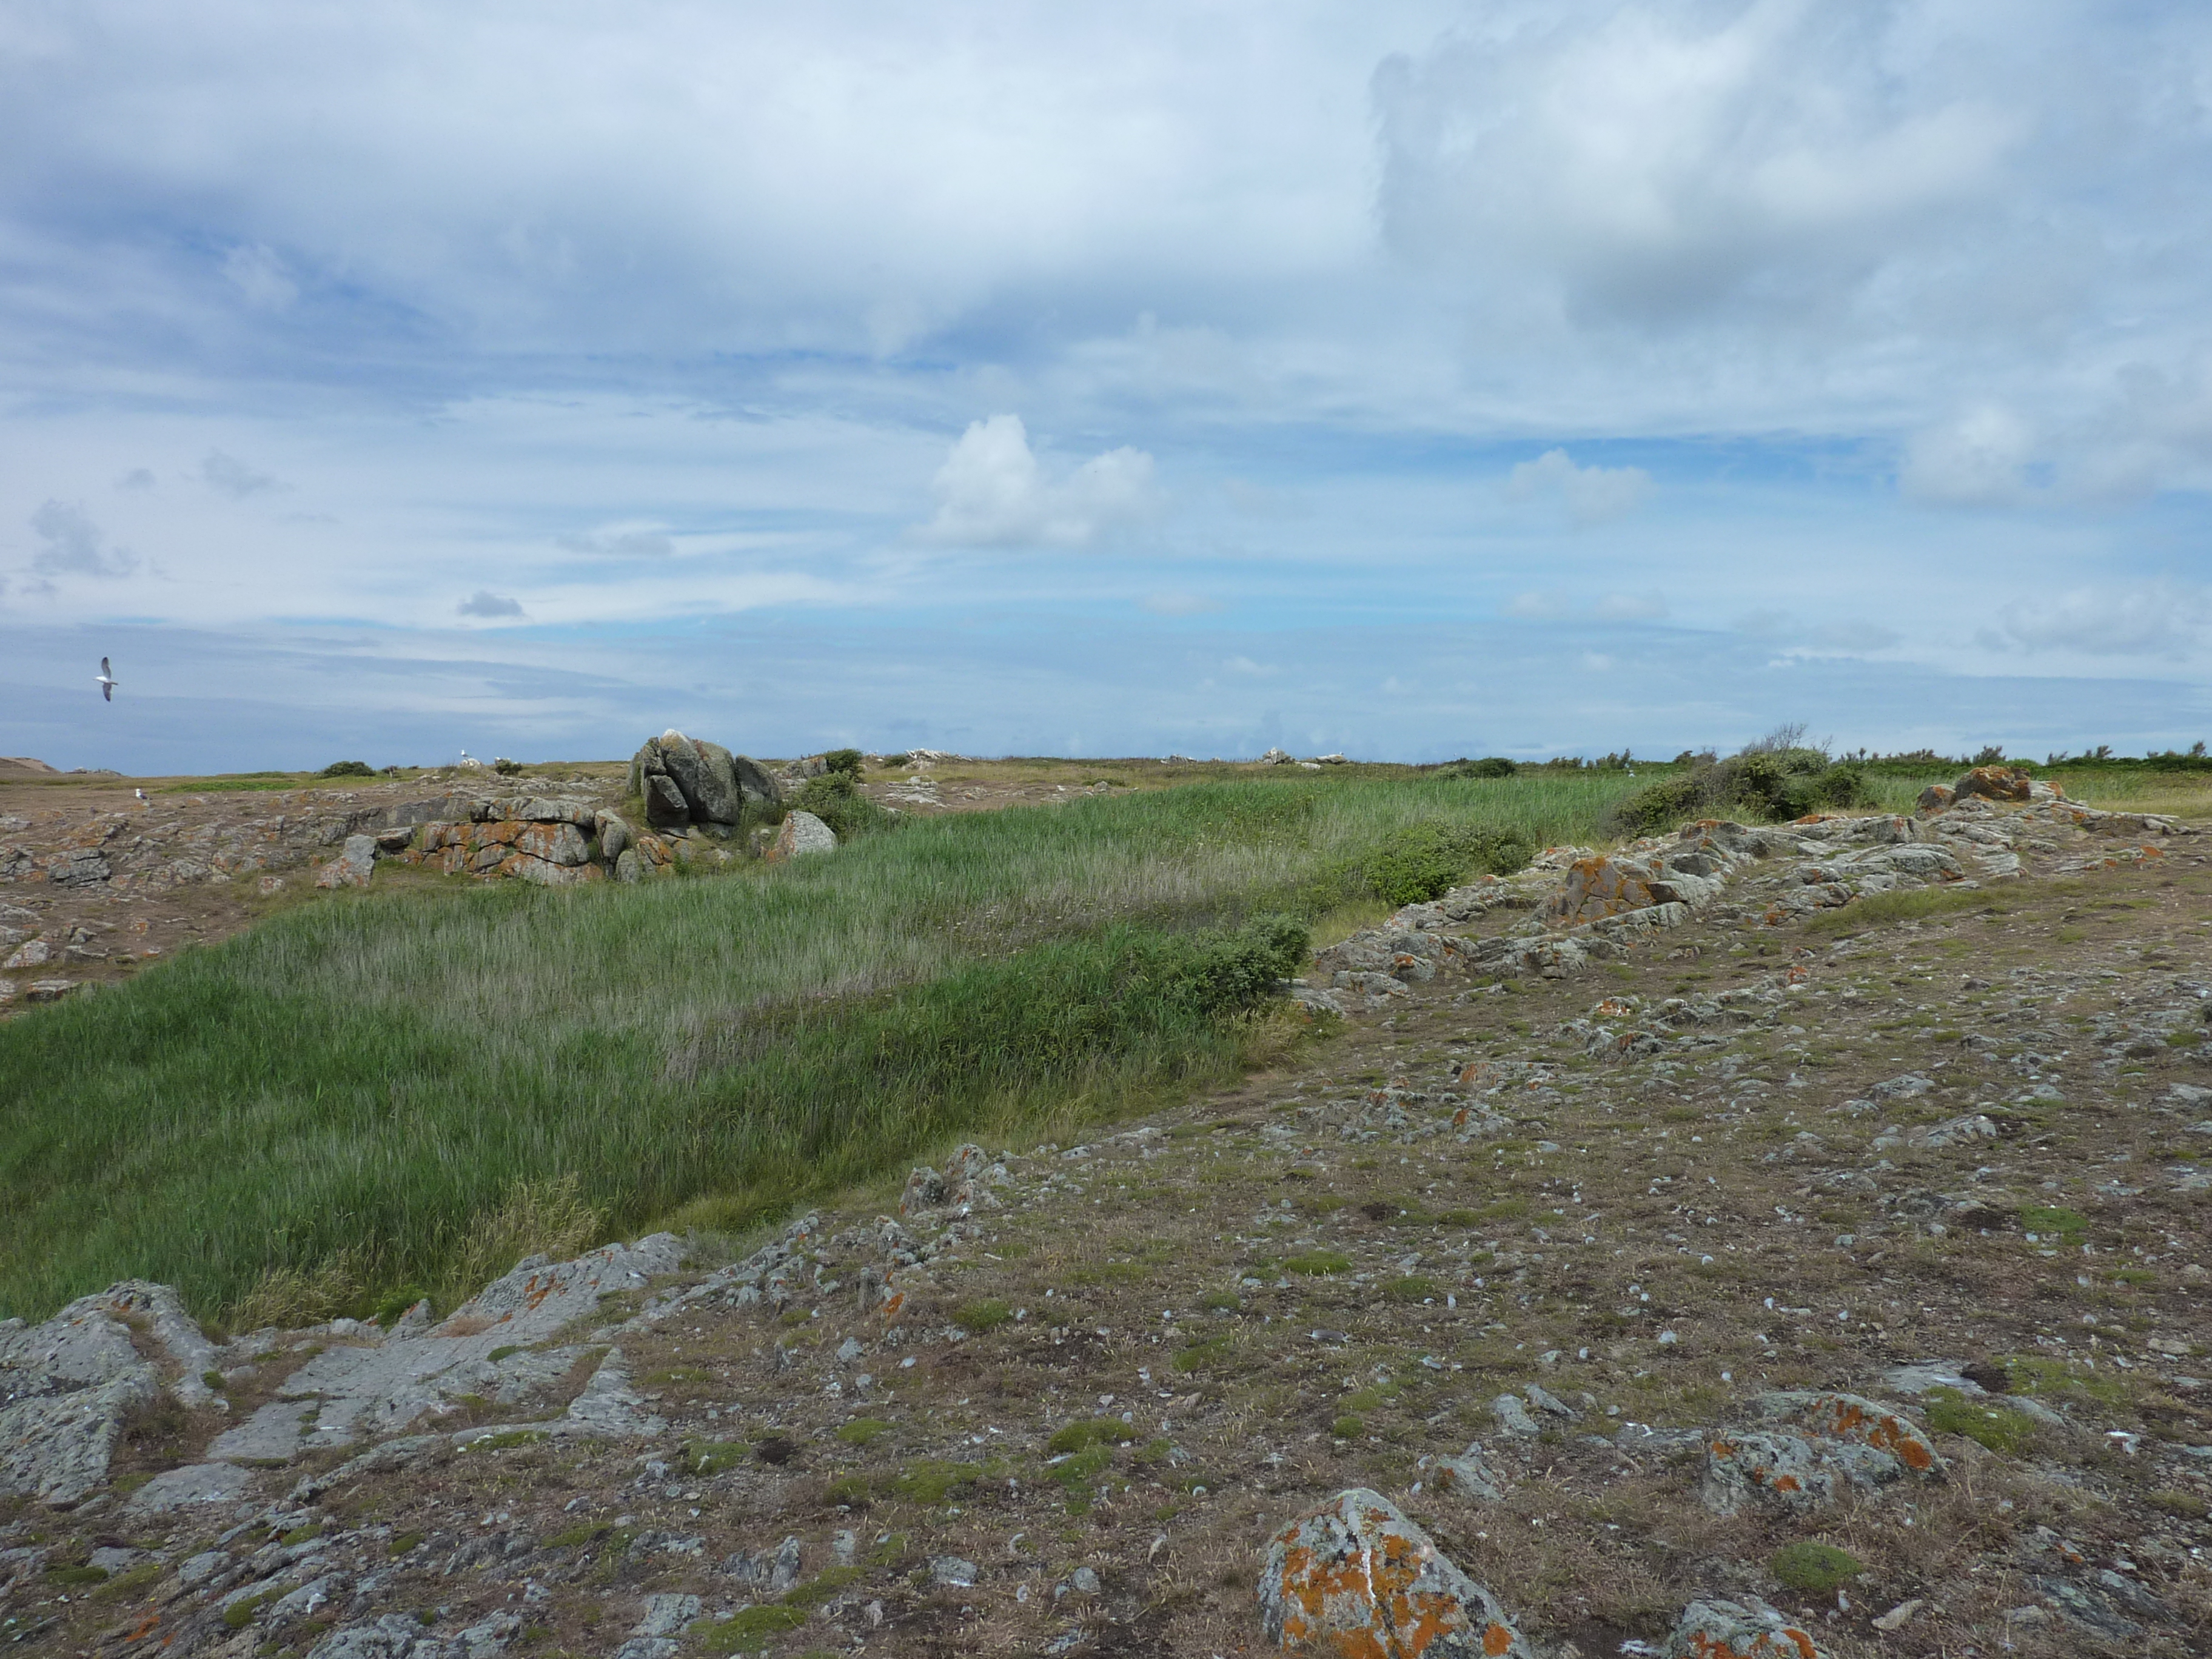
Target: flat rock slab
{"x":378,"y":1389}
{"x":190,"y":1488}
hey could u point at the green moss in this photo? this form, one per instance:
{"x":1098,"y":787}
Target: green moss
{"x":405,"y":1541}
{"x":302,"y":1535}
{"x":2000,"y":1428}
{"x":854,"y":1491}
{"x":932,"y":1480}
{"x":1088,"y":1431}
{"x":750,"y":1630}
{"x":862,"y":1431}
{"x":989,"y":1314}
{"x":238,"y":1614}
{"x":1313,"y":1264}
{"x":1221,"y":1302}
{"x":1350,"y":1427}
{"x":712,"y":1456}
{"x":1815,"y":1569}
{"x":823,"y":1585}
{"x":566,"y":1540}
{"x":142,"y":1577}
{"x":1199,"y":1355}
{"x":2047,"y":1220}
{"x":70,"y":1578}
{"x":1412,"y":1288}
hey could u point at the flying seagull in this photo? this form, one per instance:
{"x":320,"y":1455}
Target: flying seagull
{"x":107,"y":681}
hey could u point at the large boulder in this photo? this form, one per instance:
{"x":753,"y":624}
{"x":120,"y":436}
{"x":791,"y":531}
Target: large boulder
{"x":707,"y":782}
{"x":1357,"y":1577}
{"x":665,"y":806}
{"x":718,"y":799}
{"x":1738,"y":1630}
{"x":802,"y":833}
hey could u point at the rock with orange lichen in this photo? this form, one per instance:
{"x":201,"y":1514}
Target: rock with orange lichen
{"x":2004,"y":783}
{"x":1829,"y":1444}
{"x":1738,"y":1630}
{"x":1850,"y":1416}
{"x":1356,"y":1578}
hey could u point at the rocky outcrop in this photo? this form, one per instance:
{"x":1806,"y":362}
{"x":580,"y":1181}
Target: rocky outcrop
{"x":685,"y":781}
{"x":1738,"y":1630}
{"x":352,"y":867}
{"x":1357,"y":1577}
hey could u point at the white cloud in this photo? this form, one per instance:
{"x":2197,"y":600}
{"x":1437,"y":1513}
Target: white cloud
{"x":1178,"y":604}
{"x":75,"y":545}
{"x":1978,"y":459}
{"x":2163,"y":619}
{"x":234,"y":477}
{"x":260,"y":277}
{"x":631,"y":541}
{"x":1592,"y":494}
{"x":1246,"y":665}
{"x":993,"y":492}
{"x":1570,"y":607}
{"x":484,"y":603}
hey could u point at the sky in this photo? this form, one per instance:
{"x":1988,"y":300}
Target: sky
{"x":1409,"y":380}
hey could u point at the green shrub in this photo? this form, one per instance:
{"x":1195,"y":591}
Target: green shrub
{"x":1236,"y":972}
{"x":348,"y":769}
{"x":1350,"y":1427}
{"x":1815,"y":1569}
{"x":892,"y":762}
{"x":848,"y":760}
{"x":392,"y":1306}
{"x":1423,"y":861}
{"x":1760,"y":784}
{"x":1490,"y":766}
{"x":932,"y":1480}
{"x":836,"y":799}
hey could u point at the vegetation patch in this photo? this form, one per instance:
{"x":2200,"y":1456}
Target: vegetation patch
{"x":978,"y":1317}
{"x":1315,"y":1264}
{"x":2000,"y":1428}
{"x":749,"y":1631}
{"x":1090,"y":1431}
{"x":713,"y":1456}
{"x":863,"y":1430}
{"x":1815,"y":1569}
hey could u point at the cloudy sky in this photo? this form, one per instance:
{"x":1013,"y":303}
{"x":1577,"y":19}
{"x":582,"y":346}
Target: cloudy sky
{"x":1412,"y":380}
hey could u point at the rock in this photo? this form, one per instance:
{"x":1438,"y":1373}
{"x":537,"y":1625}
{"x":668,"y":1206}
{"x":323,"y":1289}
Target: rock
{"x":189,"y":1488}
{"x":1935,"y":797}
{"x":614,"y":837}
{"x":67,"y":1385}
{"x":1787,"y":1472}
{"x":802,"y":833}
{"x":85,"y":866}
{"x":2000,"y":783}
{"x":36,"y":954}
{"x":351,"y":868}
{"x":1468,"y":1475}
{"x":952,"y":1572}
{"x":665,"y":806}
{"x":720,"y":799}
{"x":1356,"y":1577}
{"x":1738,"y":1630}
{"x":666,"y":1615}
{"x":1513,"y":1417}
{"x":1544,"y":1400}
{"x":1852,"y":1417}
{"x":1276,"y":757}
{"x":629,"y":867}
{"x":49,"y":990}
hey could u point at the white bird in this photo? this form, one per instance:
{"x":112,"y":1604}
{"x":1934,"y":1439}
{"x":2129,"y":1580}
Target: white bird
{"x":106,"y":681}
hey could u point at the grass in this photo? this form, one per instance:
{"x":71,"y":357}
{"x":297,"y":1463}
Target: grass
{"x":1815,"y":1569}
{"x":393,"y":1089}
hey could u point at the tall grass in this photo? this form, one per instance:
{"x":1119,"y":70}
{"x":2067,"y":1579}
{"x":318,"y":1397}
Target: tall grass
{"x":365,"y":1080}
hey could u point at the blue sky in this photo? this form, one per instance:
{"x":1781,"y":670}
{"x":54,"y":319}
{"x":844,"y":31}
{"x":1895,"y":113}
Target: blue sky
{"x":378,"y":382}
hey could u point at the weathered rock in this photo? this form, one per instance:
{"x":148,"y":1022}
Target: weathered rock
{"x":628,"y":866}
{"x":1356,"y":1577}
{"x":1787,"y":1472}
{"x":1513,"y":1417}
{"x":756,"y":783}
{"x":719,"y":799}
{"x":351,"y":868}
{"x":49,"y":990}
{"x":1468,"y":1475}
{"x":802,"y":833}
{"x":1935,"y":797}
{"x":67,"y":1384}
{"x":665,"y":806}
{"x":83,"y":866}
{"x":2000,"y":783}
{"x":614,"y":837}
{"x":189,"y":1488}
{"x":1276,"y":757}
{"x":1852,"y":1417}
{"x":1738,"y":1630}
{"x":37,"y":953}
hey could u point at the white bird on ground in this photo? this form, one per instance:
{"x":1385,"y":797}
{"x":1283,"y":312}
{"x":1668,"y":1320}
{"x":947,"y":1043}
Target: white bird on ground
{"x":106,"y":681}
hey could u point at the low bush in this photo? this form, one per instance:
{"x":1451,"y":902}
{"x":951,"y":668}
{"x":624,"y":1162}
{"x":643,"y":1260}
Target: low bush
{"x":1423,"y":861}
{"x":1490,"y":766}
{"x":347,"y":769}
{"x":849,"y":762}
{"x":836,"y":799}
{"x":1761,"y":784}
{"x":1815,"y":1569}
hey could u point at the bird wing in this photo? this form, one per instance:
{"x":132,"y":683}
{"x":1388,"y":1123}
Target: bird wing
{"x":108,"y":692}
{"x":103,"y":668}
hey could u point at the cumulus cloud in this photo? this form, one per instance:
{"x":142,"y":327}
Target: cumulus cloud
{"x":484,"y":603}
{"x":2163,"y":619}
{"x":993,"y":492}
{"x":234,"y":477}
{"x":1649,"y":163}
{"x":74,"y":545}
{"x":1980,"y":459}
{"x":1592,"y":494}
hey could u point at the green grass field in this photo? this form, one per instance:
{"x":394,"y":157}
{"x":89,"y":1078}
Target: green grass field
{"x":359,"y":1081}
{"x":361,"y":1087}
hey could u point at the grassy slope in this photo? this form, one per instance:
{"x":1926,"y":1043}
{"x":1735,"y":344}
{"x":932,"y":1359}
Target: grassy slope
{"x":368,"y":1075}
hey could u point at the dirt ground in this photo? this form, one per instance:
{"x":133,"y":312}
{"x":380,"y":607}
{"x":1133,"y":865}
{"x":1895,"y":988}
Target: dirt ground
{"x":1980,"y":1137}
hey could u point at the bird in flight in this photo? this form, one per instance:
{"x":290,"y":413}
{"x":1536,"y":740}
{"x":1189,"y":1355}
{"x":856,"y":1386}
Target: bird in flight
{"x":107,"y":681}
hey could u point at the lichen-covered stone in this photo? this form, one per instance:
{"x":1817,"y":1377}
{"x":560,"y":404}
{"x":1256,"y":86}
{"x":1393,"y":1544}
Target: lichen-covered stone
{"x":1357,"y":1579}
{"x":1738,"y":1630}
{"x":1850,"y":1416}
{"x":802,"y":833}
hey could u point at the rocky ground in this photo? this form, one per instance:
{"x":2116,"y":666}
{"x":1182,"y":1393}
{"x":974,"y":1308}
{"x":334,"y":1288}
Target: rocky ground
{"x":1792,"y":1235}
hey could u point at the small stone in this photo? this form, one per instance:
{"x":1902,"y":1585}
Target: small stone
{"x":1356,"y":1577}
{"x":36,"y":954}
{"x":48,"y":990}
{"x":664,"y":1615}
{"x":952,"y":1570}
{"x":1513,"y":1417}
{"x":1083,"y":1581}
{"x":1469,"y":1475}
